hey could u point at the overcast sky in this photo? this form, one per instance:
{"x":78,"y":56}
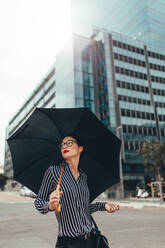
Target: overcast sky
{"x":32,"y":31}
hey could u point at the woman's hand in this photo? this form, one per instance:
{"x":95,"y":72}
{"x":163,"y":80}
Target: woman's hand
{"x":111,"y":207}
{"x":54,"y":198}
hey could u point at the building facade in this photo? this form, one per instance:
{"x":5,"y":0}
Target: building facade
{"x":140,"y":19}
{"x":129,"y":82}
{"x":42,"y":96}
{"x":122,"y":81}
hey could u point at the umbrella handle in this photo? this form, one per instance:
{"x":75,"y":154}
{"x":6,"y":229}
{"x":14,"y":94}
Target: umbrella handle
{"x":57,"y":206}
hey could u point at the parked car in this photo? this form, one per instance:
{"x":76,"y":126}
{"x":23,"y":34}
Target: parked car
{"x":27,"y":192}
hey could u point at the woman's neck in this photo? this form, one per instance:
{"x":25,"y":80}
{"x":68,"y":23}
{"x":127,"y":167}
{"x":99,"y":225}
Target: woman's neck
{"x":73,"y":162}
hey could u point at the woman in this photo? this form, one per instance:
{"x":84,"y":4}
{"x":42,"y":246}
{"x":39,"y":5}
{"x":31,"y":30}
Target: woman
{"x":74,"y":219}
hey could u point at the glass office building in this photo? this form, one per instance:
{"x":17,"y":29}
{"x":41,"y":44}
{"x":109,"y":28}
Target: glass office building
{"x":129,"y":78}
{"x":69,"y":73}
{"x":142,"y":19}
{"x":122,"y":80}
{"x":42,"y":96}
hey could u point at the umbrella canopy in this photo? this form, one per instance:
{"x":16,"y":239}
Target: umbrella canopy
{"x":35,"y":146}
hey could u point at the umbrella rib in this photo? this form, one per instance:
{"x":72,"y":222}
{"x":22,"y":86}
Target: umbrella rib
{"x":51,"y":120}
{"x":33,"y":163}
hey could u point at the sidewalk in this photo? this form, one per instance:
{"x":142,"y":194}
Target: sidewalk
{"x":136,"y":203}
{"x":12,"y":197}
{"x":141,"y":203}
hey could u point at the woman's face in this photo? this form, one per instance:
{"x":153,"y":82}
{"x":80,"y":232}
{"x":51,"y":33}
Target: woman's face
{"x":70,"y":148}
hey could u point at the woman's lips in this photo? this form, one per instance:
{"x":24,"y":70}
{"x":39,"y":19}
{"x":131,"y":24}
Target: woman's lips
{"x":65,"y":151}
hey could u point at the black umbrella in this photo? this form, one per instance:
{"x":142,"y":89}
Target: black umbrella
{"x":34,"y":147}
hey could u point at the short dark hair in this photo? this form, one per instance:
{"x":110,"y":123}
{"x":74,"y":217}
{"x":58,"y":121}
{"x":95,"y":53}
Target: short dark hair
{"x":77,"y":138}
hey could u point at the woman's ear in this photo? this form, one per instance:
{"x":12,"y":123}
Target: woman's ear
{"x":81,"y":148}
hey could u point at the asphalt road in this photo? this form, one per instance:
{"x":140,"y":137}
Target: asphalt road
{"x":21,"y":226}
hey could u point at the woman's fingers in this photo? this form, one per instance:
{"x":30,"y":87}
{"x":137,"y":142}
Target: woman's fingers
{"x":112,"y":207}
{"x":116,"y":206}
{"x":53,"y":201}
{"x":55,"y":195}
{"x":54,"y":198}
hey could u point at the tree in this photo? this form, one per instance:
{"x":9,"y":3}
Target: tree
{"x":153,"y":155}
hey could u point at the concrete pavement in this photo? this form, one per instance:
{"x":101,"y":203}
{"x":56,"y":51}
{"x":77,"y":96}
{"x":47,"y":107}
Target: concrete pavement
{"x":21,"y":226}
{"x":13,"y":197}
{"x":141,"y":203}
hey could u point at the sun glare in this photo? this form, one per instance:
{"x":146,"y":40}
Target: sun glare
{"x":63,"y":22}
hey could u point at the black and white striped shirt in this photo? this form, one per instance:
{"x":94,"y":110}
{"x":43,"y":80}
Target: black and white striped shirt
{"x":74,"y":218}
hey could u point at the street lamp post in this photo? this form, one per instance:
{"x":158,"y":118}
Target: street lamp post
{"x":119,"y":135}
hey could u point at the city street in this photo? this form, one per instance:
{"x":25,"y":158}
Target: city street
{"x":21,"y":226}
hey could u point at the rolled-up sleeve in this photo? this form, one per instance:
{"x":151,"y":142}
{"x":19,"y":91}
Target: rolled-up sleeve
{"x":97,"y":206}
{"x":42,"y":201}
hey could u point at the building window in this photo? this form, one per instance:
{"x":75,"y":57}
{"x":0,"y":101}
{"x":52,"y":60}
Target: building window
{"x":130,"y":60}
{"x":158,"y":79}
{"x":130,"y":73}
{"x":134,"y":100}
{"x":156,"y":55}
{"x":152,"y":117}
{"x":128,"y":47}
